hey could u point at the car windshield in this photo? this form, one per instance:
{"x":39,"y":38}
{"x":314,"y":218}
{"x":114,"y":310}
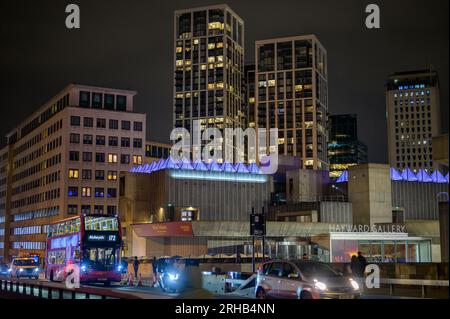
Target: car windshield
{"x":317,"y":270}
{"x":25,"y":262}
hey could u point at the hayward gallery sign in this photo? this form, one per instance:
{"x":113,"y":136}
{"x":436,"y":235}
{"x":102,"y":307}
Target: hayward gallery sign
{"x":387,"y":228}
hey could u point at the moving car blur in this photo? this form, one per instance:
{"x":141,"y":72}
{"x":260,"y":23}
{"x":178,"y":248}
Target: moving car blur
{"x":303,"y":280}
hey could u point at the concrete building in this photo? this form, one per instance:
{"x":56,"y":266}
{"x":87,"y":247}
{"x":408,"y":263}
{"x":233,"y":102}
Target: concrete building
{"x":208,"y":69}
{"x":162,"y":202}
{"x":440,"y":153}
{"x":65,"y":159}
{"x":291,"y":94}
{"x":413,"y":118}
{"x":344,"y":147}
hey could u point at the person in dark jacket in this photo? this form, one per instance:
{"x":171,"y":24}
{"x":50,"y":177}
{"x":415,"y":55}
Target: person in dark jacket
{"x":136,"y":266}
{"x":355,"y":266}
{"x":362,"y":262}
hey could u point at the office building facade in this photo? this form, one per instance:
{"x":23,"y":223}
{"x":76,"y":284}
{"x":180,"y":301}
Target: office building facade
{"x":65,"y":160}
{"x":208,"y":70}
{"x":292,"y":95}
{"x":344,"y":148}
{"x":413,"y":117}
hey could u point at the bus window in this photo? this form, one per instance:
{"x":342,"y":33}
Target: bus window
{"x":76,"y":255}
{"x":77,"y":226}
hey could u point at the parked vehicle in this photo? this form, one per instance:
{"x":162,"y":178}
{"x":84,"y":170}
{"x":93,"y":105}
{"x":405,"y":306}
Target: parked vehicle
{"x":303,"y":280}
{"x":24,"y":267}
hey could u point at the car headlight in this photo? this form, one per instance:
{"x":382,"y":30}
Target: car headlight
{"x":320,"y":285}
{"x":173,"y":276}
{"x":9,"y":270}
{"x":21,"y":270}
{"x":83,"y":268}
{"x":36,"y":269}
{"x":354,"y":284}
{"x":119,"y":268}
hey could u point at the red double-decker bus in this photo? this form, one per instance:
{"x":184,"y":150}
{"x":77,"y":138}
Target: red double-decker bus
{"x":91,"y":242}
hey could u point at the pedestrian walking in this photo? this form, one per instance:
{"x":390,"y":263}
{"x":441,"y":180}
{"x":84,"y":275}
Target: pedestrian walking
{"x":136,"y":266}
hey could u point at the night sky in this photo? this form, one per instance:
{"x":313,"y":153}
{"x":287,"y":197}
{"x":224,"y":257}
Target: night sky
{"x":129,"y":45}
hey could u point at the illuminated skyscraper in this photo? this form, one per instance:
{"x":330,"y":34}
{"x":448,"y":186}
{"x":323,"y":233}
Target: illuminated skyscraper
{"x":292,"y":95}
{"x":208,"y":68}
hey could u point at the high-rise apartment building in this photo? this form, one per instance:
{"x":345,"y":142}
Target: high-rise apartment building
{"x":413,"y":117}
{"x":249,"y":96}
{"x":209,"y":68}
{"x":292,"y":95}
{"x":65,"y":159}
{"x":344,"y":147}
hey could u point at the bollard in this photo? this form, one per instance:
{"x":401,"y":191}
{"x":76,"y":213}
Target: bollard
{"x":50,"y":295}
{"x":32,"y":290}
{"x":17,"y":287}
{"x":74,"y":294}
{"x":40,"y":291}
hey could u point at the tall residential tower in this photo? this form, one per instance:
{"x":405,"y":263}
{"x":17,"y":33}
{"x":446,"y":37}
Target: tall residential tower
{"x":208,"y":68}
{"x":292,"y":95}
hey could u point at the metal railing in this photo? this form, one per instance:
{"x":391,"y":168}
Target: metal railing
{"x":32,"y":289}
{"x":423,"y":283}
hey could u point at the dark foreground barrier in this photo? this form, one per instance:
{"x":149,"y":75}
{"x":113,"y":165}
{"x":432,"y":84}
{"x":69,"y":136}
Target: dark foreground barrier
{"x":11,"y":288}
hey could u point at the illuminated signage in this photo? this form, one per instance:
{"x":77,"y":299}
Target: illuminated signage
{"x":96,"y":237}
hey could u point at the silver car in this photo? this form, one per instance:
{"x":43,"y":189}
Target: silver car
{"x":303,"y":280}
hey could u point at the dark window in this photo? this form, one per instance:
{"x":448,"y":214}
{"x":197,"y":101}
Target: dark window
{"x":85,"y":99}
{"x":109,"y":101}
{"x":113,"y":124}
{"x":112,"y":193}
{"x":73,"y":192}
{"x":101,"y":123}
{"x":97,"y":100}
{"x":74,"y":156}
{"x":112,"y":210}
{"x":72,"y":209}
{"x":99,"y":175}
{"x":100,"y":157}
{"x":137,"y":126}
{"x":75,"y":120}
{"x":99,"y":192}
{"x":87,"y":139}
{"x":87,"y":157}
{"x":125,"y":159}
{"x":126,"y":125}
{"x":74,"y":138}
{"x":98,"y":209}
{"x":113,"y":141}
{"x":88,"y":122}
{"x":125,"y":142}
{"x":86,"y":209}
{"x":121,"y":103}
{"x":86,"y":174}
{"x":137,"y":143}
{"x":100,"y":140}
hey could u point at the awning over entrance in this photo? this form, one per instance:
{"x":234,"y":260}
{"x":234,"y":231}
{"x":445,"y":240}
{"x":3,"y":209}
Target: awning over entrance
{"x":170,"y":229}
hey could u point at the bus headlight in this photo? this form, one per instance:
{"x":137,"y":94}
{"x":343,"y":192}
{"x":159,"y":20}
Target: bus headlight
{"x":21,"y":270}
{"x":36,"y":269}
{"x":83,"y":268}
{"x":119,"y":268}
{"x":354,"y":284}
{"x":173,"y":276}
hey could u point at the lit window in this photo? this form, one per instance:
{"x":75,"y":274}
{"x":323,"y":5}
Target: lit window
{"x":211,"y":46}
{"x":211,"y":86}
{"x":298,"y":88}
{"x":86,"y":192}
{"x":216,"y":25}
{"x":220,"y":58}
{"x":137,"y":159}
{"x":203,"y":67}
{"x":73,"y":173}
{"x":179,"y":63}
{"x":219,"y":45}
{"x":179,"y":49}
{"x":271,"y":83}
{"x":112,"y":158}
{"x":196,"y":41}
{"x":112,"y":175}
{"x":211,"y":59}
{"x":219,"y":85}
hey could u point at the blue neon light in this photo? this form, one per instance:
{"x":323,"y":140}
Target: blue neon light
{"x":218,"y":176}
{"x":408,"y":176}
